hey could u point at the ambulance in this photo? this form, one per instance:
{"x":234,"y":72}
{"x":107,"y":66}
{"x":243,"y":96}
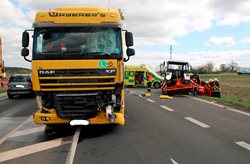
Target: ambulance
{"x":137,"y":76}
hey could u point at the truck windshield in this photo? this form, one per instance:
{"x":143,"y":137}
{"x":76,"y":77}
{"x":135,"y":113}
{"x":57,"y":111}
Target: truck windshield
{"x":89,"y":42}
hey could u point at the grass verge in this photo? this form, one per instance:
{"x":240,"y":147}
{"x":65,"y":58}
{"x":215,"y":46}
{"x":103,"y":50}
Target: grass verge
{"x":235,"y":90}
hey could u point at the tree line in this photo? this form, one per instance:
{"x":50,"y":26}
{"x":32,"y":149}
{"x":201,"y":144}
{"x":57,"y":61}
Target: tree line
{"x":210,"y":68}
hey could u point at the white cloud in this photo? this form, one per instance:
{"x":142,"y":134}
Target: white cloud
{"x":9,"y":11}
{"x":245,"y":41}
{"x":220,"y":41}
{"x":231,"y":12}
{"x":157,"y":22}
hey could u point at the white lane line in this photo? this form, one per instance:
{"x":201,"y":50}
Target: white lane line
{"x":197,"y":122}
{"x":222,"y":106}
{"x":27,"y":131}
{"x":11,"y":154}
{"x":150,"y":100}
{"x":173,"y":161}
{"x":14,"y":130}
{"x":167,"y":108}
{"x":243,"y":144}
{"x":72,"y":150}
{"x":140,"y":96}
{"x":238,"y":111}
{"x":3,"y":98}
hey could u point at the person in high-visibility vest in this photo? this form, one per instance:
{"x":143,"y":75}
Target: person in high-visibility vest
{"x":2,"y":83}
{"x":149,"y":81}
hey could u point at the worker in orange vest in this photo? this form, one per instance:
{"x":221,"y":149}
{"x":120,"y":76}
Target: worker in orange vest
{"x":149,"y":81}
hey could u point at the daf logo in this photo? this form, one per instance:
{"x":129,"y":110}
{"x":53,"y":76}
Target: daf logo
{"x":110,"y":71}
{"x":46,"y":72}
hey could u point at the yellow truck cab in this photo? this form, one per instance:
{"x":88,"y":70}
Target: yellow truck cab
{"x":137,"y":76}
{"x":78,"y":64}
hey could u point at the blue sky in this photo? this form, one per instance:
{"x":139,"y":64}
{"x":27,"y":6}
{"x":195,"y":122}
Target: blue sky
{"x":195,"y":41}
{"x":204,"y":31}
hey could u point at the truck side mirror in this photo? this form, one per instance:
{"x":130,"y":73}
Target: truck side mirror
{"x":25,"y":39}
{"x":25,"y":52}
{"x":130,"y":52}
{"x":129,"y":39}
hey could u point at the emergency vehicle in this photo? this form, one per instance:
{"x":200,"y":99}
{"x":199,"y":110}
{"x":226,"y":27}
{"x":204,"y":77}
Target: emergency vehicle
{"x":137,"y":76}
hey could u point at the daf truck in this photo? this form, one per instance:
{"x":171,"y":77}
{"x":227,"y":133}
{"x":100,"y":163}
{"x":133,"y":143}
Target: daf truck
{"x":78,"y":65}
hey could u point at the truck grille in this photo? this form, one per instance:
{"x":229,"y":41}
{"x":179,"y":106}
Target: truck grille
{"x":77,"y":106}
{"x":77,"y":79}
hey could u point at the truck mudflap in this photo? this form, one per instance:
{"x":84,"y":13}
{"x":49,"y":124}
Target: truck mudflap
{"x":52,"y":118}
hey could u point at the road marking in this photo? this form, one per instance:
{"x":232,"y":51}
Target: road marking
{"x":14,"y":130}
{"x":3,"y":98}
{"x":238,"y":111}
{"x":140,"y":96}
{"x":27,"y":131}
{"x":222,"y":106}
{"x":167,"y":108}
{"x":197,"y":122}
{"x":150,"y":100}
{"x":72,"y":150}
{"x":173,"y":161}
{"x":243,"y":144}
{"x":27,"y":150}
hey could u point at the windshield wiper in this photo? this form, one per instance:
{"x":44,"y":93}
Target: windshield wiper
{"x":100,"y":54}
{"x":94,"y":53}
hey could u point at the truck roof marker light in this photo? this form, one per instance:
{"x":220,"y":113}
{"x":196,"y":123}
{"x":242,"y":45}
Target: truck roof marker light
{"x":79,"y":122}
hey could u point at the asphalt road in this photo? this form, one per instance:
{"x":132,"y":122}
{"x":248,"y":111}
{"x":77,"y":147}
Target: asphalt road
{"x":178,"y":130}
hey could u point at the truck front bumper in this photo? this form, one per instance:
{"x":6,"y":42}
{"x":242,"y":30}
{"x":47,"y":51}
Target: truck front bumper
{"x":52,"y":118}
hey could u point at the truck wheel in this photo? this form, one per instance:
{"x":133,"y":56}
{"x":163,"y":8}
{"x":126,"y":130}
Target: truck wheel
{"x":10,"y":96}
{"x":50,"y":130}
{"x":157,"y":85}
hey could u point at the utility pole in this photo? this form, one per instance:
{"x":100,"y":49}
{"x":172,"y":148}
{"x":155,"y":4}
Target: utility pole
{"x":170,"y":52}
{"x":109,"y":4}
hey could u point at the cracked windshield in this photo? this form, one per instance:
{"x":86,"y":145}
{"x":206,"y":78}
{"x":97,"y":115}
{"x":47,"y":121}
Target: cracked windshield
{"x":84,"y":41}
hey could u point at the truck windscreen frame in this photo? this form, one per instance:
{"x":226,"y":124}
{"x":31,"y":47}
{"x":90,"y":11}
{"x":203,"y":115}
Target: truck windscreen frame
{"x":77,"y":43}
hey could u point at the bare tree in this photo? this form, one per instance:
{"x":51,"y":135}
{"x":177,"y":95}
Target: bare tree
{"x":209,"y":67}
{"x":224,"y":68}
{"x":232,"y":66}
